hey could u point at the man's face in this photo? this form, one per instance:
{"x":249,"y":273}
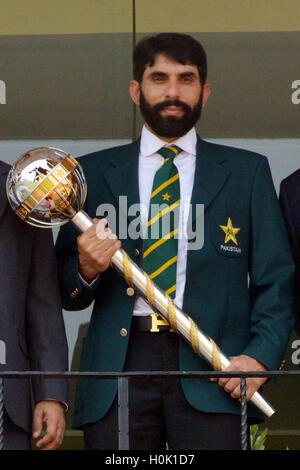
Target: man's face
{"x":170,"y":96}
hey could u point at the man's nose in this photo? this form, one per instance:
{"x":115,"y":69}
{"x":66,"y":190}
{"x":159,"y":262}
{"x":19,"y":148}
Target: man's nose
{"x":172,"y":91}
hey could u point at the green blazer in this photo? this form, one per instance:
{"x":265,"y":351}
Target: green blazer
{"x":242,"y":317}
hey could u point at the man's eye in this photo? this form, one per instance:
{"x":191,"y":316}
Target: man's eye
{"x":187,"y":79}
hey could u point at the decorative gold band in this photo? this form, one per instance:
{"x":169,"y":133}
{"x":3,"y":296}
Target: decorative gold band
{"x":69,"y":162}
{"x":216,"y":356}
{"x":127,"y":269}
{"x":150,"y":293}
{"x":172,"y":317}
{"x":172,"y":314}
{"x":22,"y":212}
{"x":194,"y":336}
{"x":48,"y":184}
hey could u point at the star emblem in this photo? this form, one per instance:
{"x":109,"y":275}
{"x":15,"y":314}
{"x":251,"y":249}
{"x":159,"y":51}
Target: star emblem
{"x":166,"y":197}
{"x":230,"y":232}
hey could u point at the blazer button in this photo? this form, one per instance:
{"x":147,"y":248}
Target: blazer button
{"x":130,"y":291}
{"x":74,"y":293}
{"x":136,"y":252}
{"x":123,"y":332}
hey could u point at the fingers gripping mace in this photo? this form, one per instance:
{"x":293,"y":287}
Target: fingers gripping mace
{"x":46,"y":188}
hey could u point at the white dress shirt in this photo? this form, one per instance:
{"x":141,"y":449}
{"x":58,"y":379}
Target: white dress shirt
{"x":149,"y":162}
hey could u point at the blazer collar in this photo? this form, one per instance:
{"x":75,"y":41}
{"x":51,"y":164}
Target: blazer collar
{"x":4,"y":169}
{"x":210,"y":175}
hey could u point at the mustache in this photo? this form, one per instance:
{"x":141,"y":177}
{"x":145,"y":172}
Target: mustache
{"x":165,"y":104}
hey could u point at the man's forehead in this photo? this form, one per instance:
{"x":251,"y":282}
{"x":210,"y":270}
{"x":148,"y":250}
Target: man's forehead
{"x":164,"y":63}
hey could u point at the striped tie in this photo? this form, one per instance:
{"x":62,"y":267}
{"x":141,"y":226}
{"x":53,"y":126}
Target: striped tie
{"x":160,"y":247}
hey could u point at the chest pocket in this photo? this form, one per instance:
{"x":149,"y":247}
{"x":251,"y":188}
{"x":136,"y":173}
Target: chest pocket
{"x":229,"y":229}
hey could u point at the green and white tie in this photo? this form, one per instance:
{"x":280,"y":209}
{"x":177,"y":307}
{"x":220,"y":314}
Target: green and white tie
{"x":161,"y":243}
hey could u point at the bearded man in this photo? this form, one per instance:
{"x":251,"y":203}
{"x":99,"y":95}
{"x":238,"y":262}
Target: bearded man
{"x":168,"y":169}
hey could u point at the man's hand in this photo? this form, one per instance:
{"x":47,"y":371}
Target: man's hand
{"x":51,"y":413}
{"x":96,"y":248}
{"x":242,"y":363}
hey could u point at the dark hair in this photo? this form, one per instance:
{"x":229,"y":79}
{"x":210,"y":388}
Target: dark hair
{"x":182,"y":48}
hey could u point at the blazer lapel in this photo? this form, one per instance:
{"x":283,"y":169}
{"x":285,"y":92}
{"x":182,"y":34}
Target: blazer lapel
{"x":122,"y":177}
{"x":210,"y":175}
{"x":4,"y":168}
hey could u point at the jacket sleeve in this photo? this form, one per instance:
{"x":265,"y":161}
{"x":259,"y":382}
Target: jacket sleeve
{"x":285,"y":205}
{"x":76,"y":295}
{"x":290,"y":221}
{"x":45,"y":330}
{"x":271,"y":271}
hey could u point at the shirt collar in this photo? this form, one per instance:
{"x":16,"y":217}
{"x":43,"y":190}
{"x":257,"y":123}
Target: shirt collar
{"x":150,"y":143}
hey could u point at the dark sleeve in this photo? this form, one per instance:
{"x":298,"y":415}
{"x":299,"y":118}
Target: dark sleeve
{"x":271,"y":274}
{"x":75,"y":295}
{"x":289,"y":217}
{"x":45,"y":328}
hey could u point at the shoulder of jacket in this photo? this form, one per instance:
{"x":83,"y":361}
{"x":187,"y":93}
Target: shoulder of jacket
{"x":235,"y":155}
{"x":104,"y":156}
{"x":293,"y":178}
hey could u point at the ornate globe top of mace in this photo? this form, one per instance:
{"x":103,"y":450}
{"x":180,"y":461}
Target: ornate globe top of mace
{"x":46,"y":188}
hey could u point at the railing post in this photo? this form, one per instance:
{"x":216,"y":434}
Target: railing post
{"x":123,"y":413}
{"x":1,"y":413}
{"x":244,"y":427}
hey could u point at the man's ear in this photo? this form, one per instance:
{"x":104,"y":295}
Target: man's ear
{"x":134,"y":90}
{"x":206,"y":93}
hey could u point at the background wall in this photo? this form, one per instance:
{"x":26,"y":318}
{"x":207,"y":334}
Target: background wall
{"x":64,"y":73}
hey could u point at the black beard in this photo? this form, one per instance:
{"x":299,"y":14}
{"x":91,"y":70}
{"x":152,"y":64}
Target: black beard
{"x":170,"y":126}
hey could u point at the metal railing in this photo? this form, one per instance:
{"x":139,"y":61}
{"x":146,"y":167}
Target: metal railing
{"x":123,"y":379}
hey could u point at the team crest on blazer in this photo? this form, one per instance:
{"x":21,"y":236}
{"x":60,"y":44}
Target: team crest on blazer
{"x":230,"y":235}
